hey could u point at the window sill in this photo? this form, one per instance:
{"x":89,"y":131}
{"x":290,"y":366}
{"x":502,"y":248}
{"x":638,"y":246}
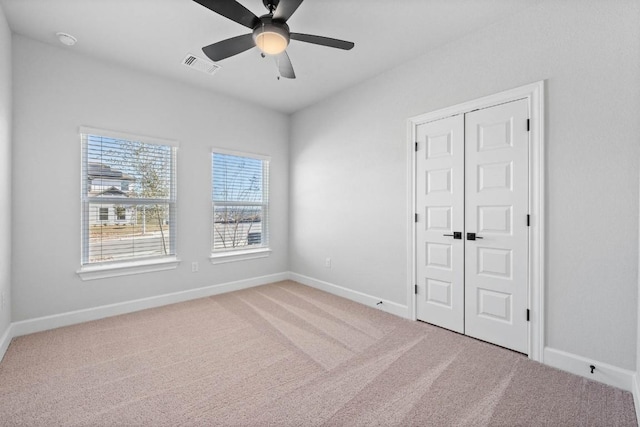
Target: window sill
{"x":93,"y":272}
{"x":223,"y":257}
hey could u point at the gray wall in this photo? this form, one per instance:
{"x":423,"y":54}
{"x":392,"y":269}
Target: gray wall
{"x":56,"y":91}
{"x":348,"y":166}
{"x":5,"y":172}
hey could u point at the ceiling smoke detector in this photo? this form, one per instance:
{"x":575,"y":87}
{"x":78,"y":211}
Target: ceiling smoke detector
{"x":66,"y":39}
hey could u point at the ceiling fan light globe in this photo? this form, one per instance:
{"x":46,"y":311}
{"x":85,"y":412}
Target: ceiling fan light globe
{"x":271,"y":43}
{"x":271,"y":39}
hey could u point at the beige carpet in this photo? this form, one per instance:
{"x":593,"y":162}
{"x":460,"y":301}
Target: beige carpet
{"x":286,"y":355}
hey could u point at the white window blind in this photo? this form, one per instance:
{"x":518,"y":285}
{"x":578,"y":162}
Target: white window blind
{"x":128,"y":198}
{"x":240,"y":201}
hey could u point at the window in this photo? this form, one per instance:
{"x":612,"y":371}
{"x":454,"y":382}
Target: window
{"x":104,"y":214}
{"x":240,"y":203}
{"x":121,"y":213}
{"x":134,"y":179}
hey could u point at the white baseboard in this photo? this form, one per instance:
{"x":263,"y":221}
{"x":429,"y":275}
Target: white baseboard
{"x":362,"y":298}
{"x":5,"y":340}
{"x":39,"y":324}
{"x":636,"y":395}
{"x":604,"y":373}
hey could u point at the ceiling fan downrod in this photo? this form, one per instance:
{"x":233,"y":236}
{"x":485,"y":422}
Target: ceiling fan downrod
{"x":271,"y":5}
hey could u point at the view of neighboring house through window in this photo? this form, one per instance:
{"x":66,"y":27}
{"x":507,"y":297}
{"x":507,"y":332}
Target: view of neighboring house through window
{"x":240,"y":201}
{"x":128,"y":198}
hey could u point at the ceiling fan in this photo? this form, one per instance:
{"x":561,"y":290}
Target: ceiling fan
{"x":270,"y":32}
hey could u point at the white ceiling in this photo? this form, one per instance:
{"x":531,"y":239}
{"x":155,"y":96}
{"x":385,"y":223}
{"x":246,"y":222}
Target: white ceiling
{"x":156,"y":35}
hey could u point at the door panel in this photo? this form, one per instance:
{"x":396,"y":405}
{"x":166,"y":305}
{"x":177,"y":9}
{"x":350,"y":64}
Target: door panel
{"x":496,"y":203}
{"x":440,"y":208}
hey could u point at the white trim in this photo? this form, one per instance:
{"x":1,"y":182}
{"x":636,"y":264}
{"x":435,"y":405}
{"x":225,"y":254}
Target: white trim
{"x":636,"y":377}
{"x":635,"y":390}
{"x":103,"y":271}
{"x":534,"y":93}
{"x":6,"y":340}
{"x":79,"y":316}
{"x":232,"y":256}
{"x":359,"y":297}
{"x":537,"y":179}
{"x":86,"y":130}
{"x":411,"y":223}
{"x":578,"y":365}
{"x":241,"y":154}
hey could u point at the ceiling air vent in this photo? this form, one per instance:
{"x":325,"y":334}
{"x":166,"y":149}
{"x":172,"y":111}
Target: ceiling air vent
{"x":200,"y":64}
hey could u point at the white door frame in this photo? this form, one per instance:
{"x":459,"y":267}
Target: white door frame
{"x":534,"y":94}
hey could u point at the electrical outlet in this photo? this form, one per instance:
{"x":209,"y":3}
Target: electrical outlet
{"x":194,"y":267}
{"x":327,"y":263}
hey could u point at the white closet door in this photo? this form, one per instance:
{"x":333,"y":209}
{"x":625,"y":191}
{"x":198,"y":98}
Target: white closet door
{"x":496,"y":204}
{"x":440,"y":209}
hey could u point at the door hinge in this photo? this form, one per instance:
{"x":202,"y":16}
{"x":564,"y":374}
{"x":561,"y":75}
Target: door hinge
{"x":416,"y":289}
{"x":528,"y":220}
{"x":415,"y":218}
{"x":528,"y":124}
{"x":528,"y":315}
{"x":416,"y":146}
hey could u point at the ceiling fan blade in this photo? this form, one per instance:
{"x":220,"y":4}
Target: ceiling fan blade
{"x":284,"y":65}
{"x":285,"y":9}
{"x":323,"y":41}
{"x":229,"y":47}
{"x":233,"y":10}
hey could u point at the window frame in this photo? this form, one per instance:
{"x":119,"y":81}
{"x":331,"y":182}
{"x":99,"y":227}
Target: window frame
{"x":244,"y":252}
{"x":104,"y":269}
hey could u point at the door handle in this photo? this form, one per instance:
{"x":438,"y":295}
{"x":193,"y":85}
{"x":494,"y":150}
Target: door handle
{"x":455,"y":235}
{"x":472,"y":236}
